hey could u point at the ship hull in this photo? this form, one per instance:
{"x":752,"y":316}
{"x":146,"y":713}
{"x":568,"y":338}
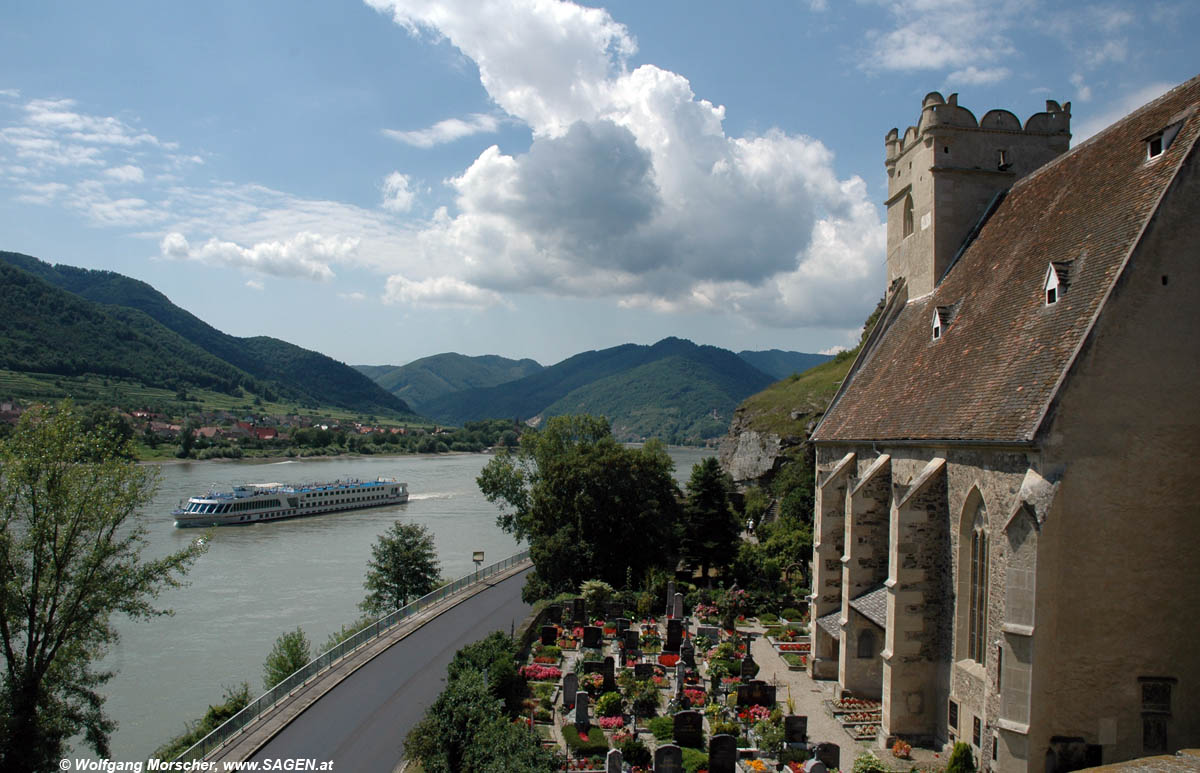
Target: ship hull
{"x":262,"y":503}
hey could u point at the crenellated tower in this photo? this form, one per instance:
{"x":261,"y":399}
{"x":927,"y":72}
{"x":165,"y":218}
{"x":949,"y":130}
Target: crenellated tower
{"x":945,"y":172}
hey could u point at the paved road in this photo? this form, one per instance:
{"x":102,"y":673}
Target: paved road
{"x":361,"y":723}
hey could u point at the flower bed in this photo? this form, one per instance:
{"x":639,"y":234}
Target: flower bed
{"x":855,"y":704}
{"x":754,"y":714}
{"x":668,"y":660}
{"x":611,"y":723}
{"x":863,"y":732}
{"x":539,"y":672}
{"x":794,"y":646}
{"x":696,"y":697}
{"x":795,"y":662}
{"x":862,"y":716}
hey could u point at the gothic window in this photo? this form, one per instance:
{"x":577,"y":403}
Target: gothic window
{"x":973,"y":568}
{"x":908,"y":215}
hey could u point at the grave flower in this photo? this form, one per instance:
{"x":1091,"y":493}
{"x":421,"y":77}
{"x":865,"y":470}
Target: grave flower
{"x":611,"y":723}
{"x":668,"y":660}
{"x":539,"y":672}
{"x":696,"y":697}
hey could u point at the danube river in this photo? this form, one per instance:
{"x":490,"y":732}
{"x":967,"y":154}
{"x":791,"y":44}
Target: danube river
{"x":255,"y":582}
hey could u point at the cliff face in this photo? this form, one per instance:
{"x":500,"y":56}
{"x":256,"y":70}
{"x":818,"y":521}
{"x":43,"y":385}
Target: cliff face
{"x":769,"y":425}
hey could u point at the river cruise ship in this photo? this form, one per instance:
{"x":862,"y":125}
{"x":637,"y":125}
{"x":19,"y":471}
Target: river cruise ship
{"x":258,"y":502}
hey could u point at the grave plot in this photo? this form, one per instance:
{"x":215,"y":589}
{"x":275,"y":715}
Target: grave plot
{"x":860,"y":717}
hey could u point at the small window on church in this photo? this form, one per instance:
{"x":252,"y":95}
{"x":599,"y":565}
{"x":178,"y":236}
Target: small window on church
{"x":1056,"y":281}
{"x":908,"y":215}
{"x":937,"y":325}
{"x":1157,"y":143}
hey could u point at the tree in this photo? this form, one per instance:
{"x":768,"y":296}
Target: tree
{"x":961,"y":759}
{"x":290,"y":653}
{"x":71,"y":541}
{"x":588,"y":506}
{"x":710,"y":527}
{"x":403,"y":566}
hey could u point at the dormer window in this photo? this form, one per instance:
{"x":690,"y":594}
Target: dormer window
{"x":1057,"y":276}
{"x":941,"y":321}
{"x":1157,"y":143}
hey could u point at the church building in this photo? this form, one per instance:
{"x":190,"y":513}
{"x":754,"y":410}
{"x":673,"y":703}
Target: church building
{"x":1007,"y":527}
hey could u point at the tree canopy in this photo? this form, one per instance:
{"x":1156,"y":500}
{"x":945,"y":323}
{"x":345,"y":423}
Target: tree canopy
{"x":403,"y":566}
{"x":589,"y":507}
{"x":290,"y":653}
{"x":711,"y":529}
{"x":71,"y":540}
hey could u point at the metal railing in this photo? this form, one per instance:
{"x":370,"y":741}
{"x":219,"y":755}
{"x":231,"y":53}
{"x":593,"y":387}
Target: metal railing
{"x":330,"y":657}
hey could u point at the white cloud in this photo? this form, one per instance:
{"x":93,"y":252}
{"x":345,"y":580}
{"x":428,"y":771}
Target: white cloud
{"x":41,"y":193}
{"x":126,"y":174}
{"x":354,"y":297}
{"x":833,"y":350}
{"x":939,"y":34}
{"x":631,"y":188}
{"x":975,"y":76}
{"x":396,"y":194}
{"x":1083,"y":92}
{"x":10,"y":93}
{"x":446,"y":131}
{"x":304,"y":256}
{"x":254,"y":284}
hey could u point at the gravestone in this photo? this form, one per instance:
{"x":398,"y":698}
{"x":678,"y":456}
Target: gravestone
{"x":749,"y":669}
{"x":554,"y":613}
{"x":613,"y":609}
{"x":643,"y":671}
{"x":795,"y":729}
{"x":815,"y":766}
{"x":711,"y":632}
{"x":593,"y":667}
{"x":592,"y":636}
{"x":677,"y":608}
{"x":632,"y":641}
{"x":613,"y":761}
{"x":622,"y":624}
{"x":581,"y":711}
{"x":570,"y":688}
{"x":670,"y":597}
{"x":668,"y":759}
{"x":674,"y":635}
{"x":689,"y":728}
{"x":687,"y":653}
{"x":549,"y":634}
{"x":830,"y":754}
{"x":756,"y":693}
{"x":680,"y":673}
{"x":608,"y":668}
{"x":578,"y":612}
{"x":722,"y":754}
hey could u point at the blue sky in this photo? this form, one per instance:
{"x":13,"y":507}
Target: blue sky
{"x":387,"y":180}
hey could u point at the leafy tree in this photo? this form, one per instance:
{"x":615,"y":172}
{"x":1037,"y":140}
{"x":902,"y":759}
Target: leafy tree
{"x":71,"y":540}
{"x":495,"y":657}
{"x":403,"y":566}
{"x":596,"y":593}
{"x":187,"y":439}
{"x":588,"y":506}
{"x":961,"y":759}
{"x":290,"y":653}
{"x":710,"y":528}
{"x":236,"y":699}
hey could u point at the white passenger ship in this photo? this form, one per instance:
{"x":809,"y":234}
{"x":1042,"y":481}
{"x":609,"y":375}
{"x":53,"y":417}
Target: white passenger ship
{"x":258,"y":502}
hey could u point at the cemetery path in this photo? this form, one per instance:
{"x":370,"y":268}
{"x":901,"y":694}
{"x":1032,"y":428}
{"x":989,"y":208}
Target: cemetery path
{"x":361,"y":723}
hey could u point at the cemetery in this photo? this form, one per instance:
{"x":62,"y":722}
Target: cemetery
{"x":610,"y":691}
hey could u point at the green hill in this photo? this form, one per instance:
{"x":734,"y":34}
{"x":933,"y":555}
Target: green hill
{"x":781,"y":364}
{"x":429,"y":378}
{"x":265,"y":366}
{"x":666,"y":390}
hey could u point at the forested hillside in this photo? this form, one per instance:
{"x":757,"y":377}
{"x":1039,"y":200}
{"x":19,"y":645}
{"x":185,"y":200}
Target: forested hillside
{"x":429,"y":378}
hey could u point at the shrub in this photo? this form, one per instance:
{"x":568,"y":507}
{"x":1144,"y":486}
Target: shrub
{"x":791,"y":613}
{"x":725,"y":727}
{"x":867,"y":762}
{"x":768,"y":618}
{"x":694,"y":759}
{"x":594,"y":744}
{"x":609,"y":705}
{"x":636,"y":753}
{"x":645,"y":699}
{"x":961,"y":759}
{"x":663,"y":728}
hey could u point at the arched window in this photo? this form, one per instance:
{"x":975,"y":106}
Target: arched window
{"x":908,"y":215}
{"x":977,"y":613}
{"x":866,"y":643}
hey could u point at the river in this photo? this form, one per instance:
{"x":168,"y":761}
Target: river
{"x":255,"y":582}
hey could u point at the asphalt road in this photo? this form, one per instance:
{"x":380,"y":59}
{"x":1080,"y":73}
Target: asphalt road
{"x":360,"y":725}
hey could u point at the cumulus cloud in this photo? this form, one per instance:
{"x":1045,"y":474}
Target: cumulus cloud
{"x":631,"y":188}
{"x":446,"y":131}
{"x":396,"y":194}
{"x":254,"y":284}
{"x":125,"y":174}
{"x":354,"y":297}
{"x":304,"y":256}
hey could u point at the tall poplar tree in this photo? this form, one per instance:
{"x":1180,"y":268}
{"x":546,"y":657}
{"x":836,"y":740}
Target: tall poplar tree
{"x":71,"y":540}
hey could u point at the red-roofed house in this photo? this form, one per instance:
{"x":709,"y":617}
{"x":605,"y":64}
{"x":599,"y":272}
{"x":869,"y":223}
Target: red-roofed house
{"x":1007,"y":535}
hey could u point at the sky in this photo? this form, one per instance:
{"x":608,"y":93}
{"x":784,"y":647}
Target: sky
{"x":391,"y":179}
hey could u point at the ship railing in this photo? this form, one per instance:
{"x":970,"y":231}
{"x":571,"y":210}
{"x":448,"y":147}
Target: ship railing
{"x":335,"y":654}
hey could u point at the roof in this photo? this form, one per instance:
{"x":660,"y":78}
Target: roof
{"x":830,"y":624}
{"x":994,"y":371}
{"x":1183,"y":761}
{"x":873,"y":606}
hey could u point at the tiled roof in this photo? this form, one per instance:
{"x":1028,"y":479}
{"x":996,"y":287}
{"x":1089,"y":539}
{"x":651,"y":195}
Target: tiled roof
{"x":995,"y":370}
{"x":873,"y":606}
{"x":829,"y":623}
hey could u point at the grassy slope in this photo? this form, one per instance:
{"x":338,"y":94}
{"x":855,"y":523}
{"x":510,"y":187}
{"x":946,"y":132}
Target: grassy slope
{"x":804,"y":395}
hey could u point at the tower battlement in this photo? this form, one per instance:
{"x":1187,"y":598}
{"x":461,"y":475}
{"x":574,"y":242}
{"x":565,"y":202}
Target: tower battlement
{"x":943,"y":172}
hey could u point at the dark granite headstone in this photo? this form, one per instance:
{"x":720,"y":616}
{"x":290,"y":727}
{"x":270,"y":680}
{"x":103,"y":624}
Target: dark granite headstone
{"x":668,"y":759}
{"x":670,"y":598}
{"x":613,"y":609}
{"x":749,"y":669}
{"x":570,"y":688}
{"x":722,"y":754}
{"x":830,"y":754}
{"x":592,"y":636}
{"x":689,"y":728}
{"x":593,"y":667}
{"x":795,"y":729}
{"x":549,"y":634}
{"x":677,"y":608}
{"x":674,"y":635}
{"x":643,"y":671}
{"x":632,"y":640}
{"x":609,"y":669}
{"x":581,"y":711}
{"x":756,"y":693}
{"x":711,"y":632}
{"x":622,"y":624}
{"x":578,"y":612}
{"x":687,"y":653}
{"x":680,"y":672}
{"x":613,"y":761}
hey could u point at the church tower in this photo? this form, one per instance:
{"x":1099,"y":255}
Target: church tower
{"x":945,"y":174}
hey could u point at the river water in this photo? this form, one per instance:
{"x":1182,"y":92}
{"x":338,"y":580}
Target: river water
{"x":256,"y":582}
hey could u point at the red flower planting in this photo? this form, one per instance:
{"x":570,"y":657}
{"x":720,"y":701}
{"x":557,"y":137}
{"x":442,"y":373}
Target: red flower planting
{"x":540,"y":673}
{"x":668,"y":660}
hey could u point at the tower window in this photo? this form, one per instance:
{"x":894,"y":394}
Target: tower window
{"x":1002,"y":162}
{"x":908,"y":215}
